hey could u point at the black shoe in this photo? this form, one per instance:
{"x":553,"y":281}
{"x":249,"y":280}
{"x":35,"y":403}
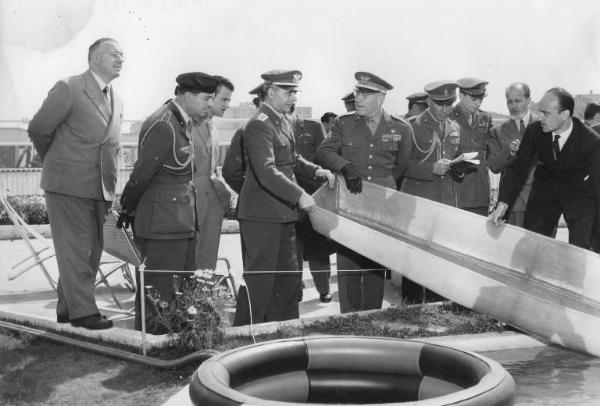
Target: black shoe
{"x":93,"y":322}
{"x":62,"y":318}
{"x":326,"y":298}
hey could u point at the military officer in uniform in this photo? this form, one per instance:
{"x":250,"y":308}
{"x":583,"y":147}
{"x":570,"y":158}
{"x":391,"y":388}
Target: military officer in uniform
{"x":367,"y":144}
{"x":430,"y":174}
{"x":269,"y":204}
{"x":234,"y":167}
{"x":417,"y":103}
{"x":349,"y":102}
{"x":160,"y":193}
{"x":312,"y":246}
{"x":475,"y":129}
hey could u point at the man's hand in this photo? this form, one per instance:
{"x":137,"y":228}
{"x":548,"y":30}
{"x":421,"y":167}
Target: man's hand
{"x":326,"y":174}
{"x":125,"y":220}
{"x":352,"y":178}
{"x":513,"y":147}
{"x":497,"y":215}
{"x":441,"y":167}
{"x":307,"y":203}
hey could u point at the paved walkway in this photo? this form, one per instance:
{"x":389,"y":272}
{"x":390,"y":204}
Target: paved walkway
{"x":30,"y":298}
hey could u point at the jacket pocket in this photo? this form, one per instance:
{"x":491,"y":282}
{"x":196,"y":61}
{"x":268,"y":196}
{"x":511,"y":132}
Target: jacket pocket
{"x":166,"y":211}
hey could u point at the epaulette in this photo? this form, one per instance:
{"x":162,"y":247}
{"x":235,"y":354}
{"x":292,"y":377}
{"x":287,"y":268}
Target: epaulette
{"x":262,"y":117}
{"x":349,"y":113}
{"x":166,"y":117}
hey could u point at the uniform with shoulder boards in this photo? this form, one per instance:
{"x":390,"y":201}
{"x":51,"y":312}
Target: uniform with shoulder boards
{"x":160,"y":193}
{"x":372,"y":145}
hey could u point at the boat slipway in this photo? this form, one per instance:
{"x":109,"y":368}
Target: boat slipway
{"x":538,"y":284}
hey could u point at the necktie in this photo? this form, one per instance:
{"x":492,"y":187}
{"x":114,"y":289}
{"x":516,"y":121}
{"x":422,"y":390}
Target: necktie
{"x":372,"y":125}
{"x":522,"y":127}
{"x":105,"y":91}
{"x":556,"y":146}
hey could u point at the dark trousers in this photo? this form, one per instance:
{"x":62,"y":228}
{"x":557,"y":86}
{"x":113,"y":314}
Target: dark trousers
{"x":76,"y":225}
{"x":359,"y":290}
{"x":315,"y":248}
{"x":543,"y":213}
{"x":271,"y":272}
{"x":164,"y":255}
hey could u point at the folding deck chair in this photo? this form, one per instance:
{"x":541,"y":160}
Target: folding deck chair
{"x":42,"y":250}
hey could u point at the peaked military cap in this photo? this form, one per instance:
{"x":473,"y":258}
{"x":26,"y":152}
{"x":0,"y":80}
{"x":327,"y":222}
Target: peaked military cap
{"x":282,"y":78}
{"x":257,"y":90}
{"x":367,"y":82}
{"x":349,"y":97}
{"x":419,"y":97}
{"x":472,"y":86}
{"x":197,"y":82}
{"x":442,"y":91}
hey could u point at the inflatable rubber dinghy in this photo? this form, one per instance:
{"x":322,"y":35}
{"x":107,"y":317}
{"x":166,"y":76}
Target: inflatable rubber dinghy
{"x":538,"y":284}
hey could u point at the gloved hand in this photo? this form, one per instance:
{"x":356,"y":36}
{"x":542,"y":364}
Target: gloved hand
{"x":125,"y":220}
{"x":352,"y":178}
{"x":460,"y":169}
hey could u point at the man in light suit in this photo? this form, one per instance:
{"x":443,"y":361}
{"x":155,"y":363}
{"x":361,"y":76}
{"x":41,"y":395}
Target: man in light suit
{"x":504,"y":144}
{"x":77,"y":133}
{"x":567,"y":178}
{"x":212,"y":196}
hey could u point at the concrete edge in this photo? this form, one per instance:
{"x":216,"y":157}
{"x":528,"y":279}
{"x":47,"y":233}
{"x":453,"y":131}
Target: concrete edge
{"x":115,"y":335}
{"x":10,"y":232}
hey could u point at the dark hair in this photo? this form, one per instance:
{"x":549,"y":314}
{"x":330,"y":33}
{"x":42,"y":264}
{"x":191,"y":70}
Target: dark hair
{"x":591,"y":110}
{"x":325,"y":117}
{"x":223,"y":82}
{"x":565,"y":99}
{"x":96,"y":45}
{"x":521,"y":86}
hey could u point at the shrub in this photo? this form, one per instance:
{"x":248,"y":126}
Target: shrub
{"x":31,"y":208}
{"x":193,"y":319}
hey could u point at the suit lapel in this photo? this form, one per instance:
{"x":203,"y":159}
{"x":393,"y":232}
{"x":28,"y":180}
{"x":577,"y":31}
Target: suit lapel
{"x":92,"y":90}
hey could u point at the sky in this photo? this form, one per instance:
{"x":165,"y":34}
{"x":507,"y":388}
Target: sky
{"x":545,"y":43}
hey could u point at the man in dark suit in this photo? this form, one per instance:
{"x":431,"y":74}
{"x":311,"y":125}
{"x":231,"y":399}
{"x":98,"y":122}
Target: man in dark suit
{"x":161,"y":191}
{"x":269,"y":204}
{"x":504,"y":144}
{"x":567,"y":178}
{"x":77,"y":133}
{"x":475,"y":127}
{"x":367,"y":144}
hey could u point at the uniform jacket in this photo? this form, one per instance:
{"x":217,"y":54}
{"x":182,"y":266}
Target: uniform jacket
{"x":234,"y":165}
{"x":380,"y":158}
{"x":270,"y":192}
{"x":499,"y":156}
{"x":77,"y":134}
{"x":433,"y":140}
{"x":308,"y":134}
{"x":474,"y":190}
{"x":573,"y":178}
{"x":160,"y":189}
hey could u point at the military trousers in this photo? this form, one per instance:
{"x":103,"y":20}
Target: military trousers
{"x":163,"y":255}
{"x":271,"y":272}
{"x":315,"y":248}
{"x":360,"y":281}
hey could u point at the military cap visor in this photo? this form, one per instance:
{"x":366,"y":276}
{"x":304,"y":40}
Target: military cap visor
{"x":349,"y":97}
{"x":442,"y":91}
{"x":257,"y":90}
{"x":369,"y":83}
{"x":197,"y":82}
{"x":282,"y":78}
{"x":472,"y":86}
